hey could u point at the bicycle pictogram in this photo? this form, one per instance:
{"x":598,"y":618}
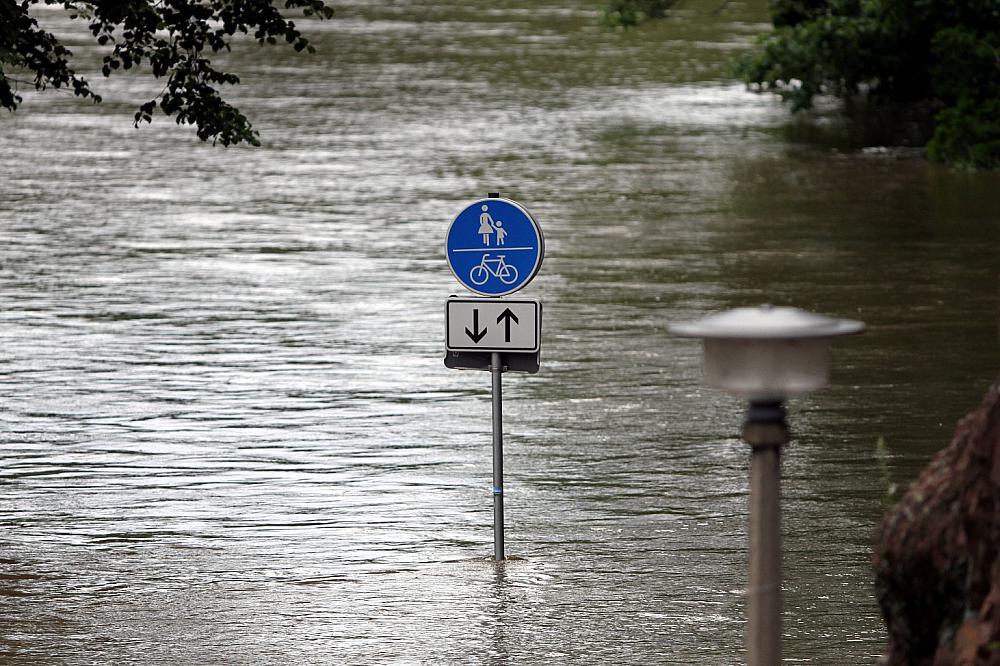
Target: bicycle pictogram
{"x":499,"y":268}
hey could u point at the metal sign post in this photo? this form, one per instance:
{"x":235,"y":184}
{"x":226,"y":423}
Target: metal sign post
{"x":494,"y":248}
{"x":496,"y":369}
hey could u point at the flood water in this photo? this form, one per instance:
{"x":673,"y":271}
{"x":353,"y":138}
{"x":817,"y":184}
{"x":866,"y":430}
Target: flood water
{"x":227,"y":432}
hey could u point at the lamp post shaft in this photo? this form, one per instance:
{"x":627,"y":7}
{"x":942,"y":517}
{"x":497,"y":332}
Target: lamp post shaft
{"x":766,"y":432}
{"x":764,"y":590}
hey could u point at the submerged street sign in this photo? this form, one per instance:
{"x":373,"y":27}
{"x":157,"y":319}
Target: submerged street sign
{"x":491,"y":324}
{"x":494,"y":247}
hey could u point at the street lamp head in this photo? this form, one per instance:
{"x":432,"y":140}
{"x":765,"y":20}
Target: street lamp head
{"x":767,"y":353}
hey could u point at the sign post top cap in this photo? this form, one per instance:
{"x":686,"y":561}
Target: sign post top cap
{"x":767,"y":322}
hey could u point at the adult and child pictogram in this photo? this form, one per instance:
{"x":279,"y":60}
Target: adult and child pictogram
{"x":487,"y":227}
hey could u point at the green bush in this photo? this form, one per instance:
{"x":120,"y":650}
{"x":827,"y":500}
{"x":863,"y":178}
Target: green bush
{"x":940,"y":54}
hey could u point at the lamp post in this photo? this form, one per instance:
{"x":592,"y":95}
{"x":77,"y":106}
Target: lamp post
{"x":766,"y":355}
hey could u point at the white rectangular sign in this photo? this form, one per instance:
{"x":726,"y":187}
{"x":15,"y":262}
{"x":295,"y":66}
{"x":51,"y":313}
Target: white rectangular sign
{"x":493,"y":324}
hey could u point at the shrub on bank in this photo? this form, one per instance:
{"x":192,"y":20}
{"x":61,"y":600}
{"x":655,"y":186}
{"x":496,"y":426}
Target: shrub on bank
{"x":942,"y":55}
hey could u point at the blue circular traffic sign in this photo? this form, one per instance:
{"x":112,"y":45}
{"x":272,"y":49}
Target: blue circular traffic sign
{"x":494,"y":247}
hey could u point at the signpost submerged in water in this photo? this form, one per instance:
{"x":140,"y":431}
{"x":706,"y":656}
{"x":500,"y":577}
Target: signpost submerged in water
{"x":494,"y":248}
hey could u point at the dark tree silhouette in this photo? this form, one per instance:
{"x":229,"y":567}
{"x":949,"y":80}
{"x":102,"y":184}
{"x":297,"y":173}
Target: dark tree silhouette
{"x":174,"y":38}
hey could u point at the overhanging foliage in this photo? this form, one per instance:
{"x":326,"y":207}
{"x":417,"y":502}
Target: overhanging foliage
{"x":175,"y":38}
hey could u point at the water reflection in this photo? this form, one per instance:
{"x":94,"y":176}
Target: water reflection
{"x":502,"y":597}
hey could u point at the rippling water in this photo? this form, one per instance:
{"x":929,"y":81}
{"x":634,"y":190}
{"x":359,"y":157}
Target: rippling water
{"x":228,"y":435}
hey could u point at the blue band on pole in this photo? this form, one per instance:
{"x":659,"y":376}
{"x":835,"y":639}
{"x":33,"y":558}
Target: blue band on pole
{"x":497,"y":491}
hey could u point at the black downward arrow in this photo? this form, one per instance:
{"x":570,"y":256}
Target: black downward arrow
{"x":505,"y":317}
{"x":475,"y":333}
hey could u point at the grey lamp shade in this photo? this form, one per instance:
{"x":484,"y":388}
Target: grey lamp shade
{"x":767,"y":353}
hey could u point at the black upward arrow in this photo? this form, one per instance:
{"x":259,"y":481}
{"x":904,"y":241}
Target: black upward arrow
{"x":505,"y":317}
{"x":475,"y":333}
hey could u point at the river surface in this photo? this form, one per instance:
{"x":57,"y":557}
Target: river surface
{"x":227,"y":432}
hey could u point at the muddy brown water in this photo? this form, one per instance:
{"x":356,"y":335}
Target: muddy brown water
{"x":228,"y":435}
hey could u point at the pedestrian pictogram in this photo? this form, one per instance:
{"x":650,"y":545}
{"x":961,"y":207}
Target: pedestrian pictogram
{"x":489,"y":226}
{"x":494,"y":247}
